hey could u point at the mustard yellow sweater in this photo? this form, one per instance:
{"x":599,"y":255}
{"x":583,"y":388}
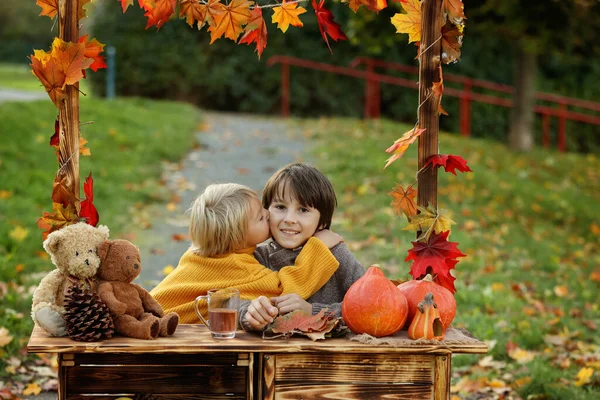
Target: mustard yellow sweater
{"x":195,"y":275}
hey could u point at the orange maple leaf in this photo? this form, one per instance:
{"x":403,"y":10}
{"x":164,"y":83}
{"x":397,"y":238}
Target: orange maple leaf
{"x":63,"y":195}
{"x":404,"y":201}
{"x":195,"y":12}
{"x":455,"y":9}
{"x":93,"y":48}
{"x":51,"y":74}
{"x":59,"y":218}
{"x":401,"y":145}
{"x":125,"y":4}
{"x":229,"y":22}
{"x":256,"y":31}
{"x":410,"y":22}
{"x":451,"y":42}
{"x":71,"y":57}
{"x":157,"y":11}
{"x":50,"y":7}
{"x":438,"y":91}
{"x":373,"y":5}
{"x":286,"y":15}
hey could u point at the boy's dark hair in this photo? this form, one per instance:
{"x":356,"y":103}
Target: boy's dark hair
{"x":309,"y":187}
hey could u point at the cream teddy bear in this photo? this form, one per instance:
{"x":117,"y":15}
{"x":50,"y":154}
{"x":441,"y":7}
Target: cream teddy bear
{"x":74,"y":252}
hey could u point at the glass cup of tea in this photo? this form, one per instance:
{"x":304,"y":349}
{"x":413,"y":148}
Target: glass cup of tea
{"x":223,"y":308}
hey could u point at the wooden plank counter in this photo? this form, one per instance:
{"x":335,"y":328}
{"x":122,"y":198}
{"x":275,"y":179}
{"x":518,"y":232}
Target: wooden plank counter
{"x":192,"y":365}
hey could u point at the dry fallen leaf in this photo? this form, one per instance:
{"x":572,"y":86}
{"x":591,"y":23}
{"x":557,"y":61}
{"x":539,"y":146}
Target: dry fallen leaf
{"x":5,"y":338}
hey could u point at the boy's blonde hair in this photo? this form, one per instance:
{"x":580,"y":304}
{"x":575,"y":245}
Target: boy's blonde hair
{"x":219,"y":219}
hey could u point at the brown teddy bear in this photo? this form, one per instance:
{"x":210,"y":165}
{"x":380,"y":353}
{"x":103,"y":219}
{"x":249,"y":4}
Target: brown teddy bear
{"x":134,"y":311}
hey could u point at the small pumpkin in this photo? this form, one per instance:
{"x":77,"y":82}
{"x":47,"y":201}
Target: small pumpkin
{"x":416,"y":290}
{"x":374,"y":305}
{"x":427,"y":323}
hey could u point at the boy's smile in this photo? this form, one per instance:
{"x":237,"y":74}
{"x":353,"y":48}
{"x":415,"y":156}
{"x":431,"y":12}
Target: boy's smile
{"x":292,"y":224}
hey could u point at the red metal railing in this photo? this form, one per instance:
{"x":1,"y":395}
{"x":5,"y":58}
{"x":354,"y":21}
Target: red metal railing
{"x":465,"y":94}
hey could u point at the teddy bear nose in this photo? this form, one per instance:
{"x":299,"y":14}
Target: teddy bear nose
{"x":87,"y":262}
{"x":136,"y":266}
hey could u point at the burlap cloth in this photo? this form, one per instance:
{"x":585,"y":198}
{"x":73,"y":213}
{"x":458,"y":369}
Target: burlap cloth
{"x":452,"y":336}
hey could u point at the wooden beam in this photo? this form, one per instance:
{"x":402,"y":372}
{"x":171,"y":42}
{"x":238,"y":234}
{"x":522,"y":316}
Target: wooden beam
{"x":68,"y":111}
{"x":429,"y":63}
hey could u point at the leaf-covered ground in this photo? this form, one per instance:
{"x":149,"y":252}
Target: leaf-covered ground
{"x":530,"y":225}
{"x":129,"y":140}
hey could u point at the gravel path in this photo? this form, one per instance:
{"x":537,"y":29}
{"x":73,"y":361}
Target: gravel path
{"x":19,"y":95}
{"x":237,"y":148}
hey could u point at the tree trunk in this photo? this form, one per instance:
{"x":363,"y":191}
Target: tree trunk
{"x":520,"y":137}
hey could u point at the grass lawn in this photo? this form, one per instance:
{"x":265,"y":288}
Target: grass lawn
{"x":129,"y":138}
{"x":529,"y":224}
{"x":19,"y":76}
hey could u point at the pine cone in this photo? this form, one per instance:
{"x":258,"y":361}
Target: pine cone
{"x":87,"y":317}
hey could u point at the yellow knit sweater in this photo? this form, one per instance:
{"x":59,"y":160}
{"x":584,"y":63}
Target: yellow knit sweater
{"x":195,"y":275}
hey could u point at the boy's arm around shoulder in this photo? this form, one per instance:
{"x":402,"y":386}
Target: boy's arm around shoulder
{"x":314,"y":267}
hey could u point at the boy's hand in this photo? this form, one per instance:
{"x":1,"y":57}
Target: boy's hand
{"x":260,"y":313}
{"x":291,"y":302}
{"x":328,"y":237}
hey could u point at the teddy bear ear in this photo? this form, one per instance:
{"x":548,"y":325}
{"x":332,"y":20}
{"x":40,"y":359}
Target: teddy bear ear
{"x":102,"y":231}
{"x":53,"y":241}
{"x":103,"y":249}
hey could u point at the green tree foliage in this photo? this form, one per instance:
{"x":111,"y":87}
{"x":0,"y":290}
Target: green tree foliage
{"x":21,"y":30}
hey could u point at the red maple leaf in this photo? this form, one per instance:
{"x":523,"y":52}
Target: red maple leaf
{"x":93,"y":48}
{"x":55,"y":139}
{"x":327,"y":25}
{"x":88,"y":210}
{"x":157,"y":11}
{"x":449,"y":162}
{"x":437,"y":253}
{"x":256,"y":31}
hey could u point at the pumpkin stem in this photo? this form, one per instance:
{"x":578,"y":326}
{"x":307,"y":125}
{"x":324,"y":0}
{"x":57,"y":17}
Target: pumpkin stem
{"x":427,"y":301}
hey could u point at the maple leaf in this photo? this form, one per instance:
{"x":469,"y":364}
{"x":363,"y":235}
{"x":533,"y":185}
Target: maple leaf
{"x":455,"y":9}
{"x":125,"y":4}
{"x":401,"y":145}
{"x":286,"y":15}
{"x":93,"y":48}
{"x":199,"y":13}
{"x":55,"y":142}
{"x":71,"y":57}
{"x":62,"y":195}
{"x":5,"y":337}
{"x":327,"y":25}
{"x":410,"y":22}
{"x":299,"y":321}
{"x":449,"y":162}
{"x":55,"y":139}
{"x":59,"y":218}
{"x":50,"y":7}
{"x":451,"y":42}
{"x":51,"y":74}
{"x":429,"y":220}
{"x":437,"y":253}
{"x":404,"y":201}
{"x":88,"y":210}
{"x":157,"y":11}
{"x":373,"y":5}
{"x":256,"y":31}
{"x":438,"y":91}
{"x":229,"y":22}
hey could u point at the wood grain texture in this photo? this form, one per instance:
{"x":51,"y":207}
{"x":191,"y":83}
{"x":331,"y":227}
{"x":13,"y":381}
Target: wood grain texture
{"x":68,"y":111}
{"x":429,"y":62}
{"x":268,"y":376}
{"x":195,"y":339}
{"x":154,"y":396}
{"x":140,"y":379}
{"x":441,"y":384}
{"x":353,"y":392}
{"x":352,"y":368}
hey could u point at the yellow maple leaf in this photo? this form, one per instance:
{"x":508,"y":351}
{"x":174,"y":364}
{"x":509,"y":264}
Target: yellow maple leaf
{"x":410,"y":22}
{"x":430,"y":220}
{"x":84,"y":151}
{"x":229,"y":22}
{"x":32,"y":389}
{"x":71,"y":57}
{"x":286,"y":15}
{"x":584,"y":376}
{"x":19,"y":233}
{"x":401,"y":145}
{"x":5,"y":338}
{"x":521,"y":356}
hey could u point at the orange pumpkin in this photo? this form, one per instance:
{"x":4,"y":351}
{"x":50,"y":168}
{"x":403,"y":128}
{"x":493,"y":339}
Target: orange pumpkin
{"x":374,"y":305}
{"x":427,"y":323}
{"x":416,"y":290}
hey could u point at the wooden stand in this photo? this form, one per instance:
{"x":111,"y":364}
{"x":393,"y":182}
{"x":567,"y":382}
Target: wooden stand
{"x":192,"y":365}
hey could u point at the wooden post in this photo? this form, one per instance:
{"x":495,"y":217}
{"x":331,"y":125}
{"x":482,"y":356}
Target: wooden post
{"x":68,"y":111}
{"x":429,"y":63}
